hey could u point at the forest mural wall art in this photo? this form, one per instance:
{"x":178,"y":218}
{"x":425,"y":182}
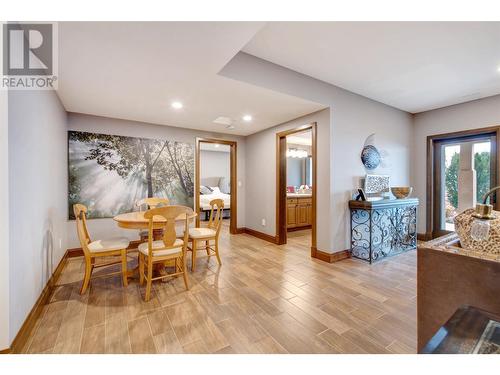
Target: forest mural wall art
{"x":109,"y":173}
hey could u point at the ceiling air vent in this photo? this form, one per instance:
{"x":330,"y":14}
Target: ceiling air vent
{"x":223,"y":121}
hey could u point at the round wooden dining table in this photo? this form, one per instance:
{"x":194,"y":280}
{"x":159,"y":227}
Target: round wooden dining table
{"x":136,"y":220}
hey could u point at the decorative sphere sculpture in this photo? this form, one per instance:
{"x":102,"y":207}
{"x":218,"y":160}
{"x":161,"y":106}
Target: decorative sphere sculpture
{"x":370,"y":157}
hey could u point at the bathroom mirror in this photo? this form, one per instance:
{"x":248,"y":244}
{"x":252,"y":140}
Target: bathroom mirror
{"x":299,"y":171}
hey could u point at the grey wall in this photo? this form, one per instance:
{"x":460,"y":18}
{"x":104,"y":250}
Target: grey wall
{"x":37,"y":196}
{"x":215,"y":164}
{"x":101,"y":228}
{"x":352,"y":119}
{"x":4,"y":220}
{"x":261,"y":177}
{"x":472,"y":115}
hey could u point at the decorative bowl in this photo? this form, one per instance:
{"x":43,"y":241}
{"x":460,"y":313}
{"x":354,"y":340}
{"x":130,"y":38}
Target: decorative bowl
{"x":401,"y":192}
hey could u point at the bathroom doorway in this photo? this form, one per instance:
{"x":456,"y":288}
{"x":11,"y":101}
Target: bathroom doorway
{"x":296,"y":185}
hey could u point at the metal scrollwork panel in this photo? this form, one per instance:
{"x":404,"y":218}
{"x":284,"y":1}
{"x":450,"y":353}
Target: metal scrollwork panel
{"x":360,"y":234}
{"x":380,"y":233}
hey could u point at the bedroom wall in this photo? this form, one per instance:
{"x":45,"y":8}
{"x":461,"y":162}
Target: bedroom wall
{"x":215,"y":164}
{"x":37,"y":196}
{"x":352,"y":119}
{"x":472,"y":115}
{"x":101,"y":228}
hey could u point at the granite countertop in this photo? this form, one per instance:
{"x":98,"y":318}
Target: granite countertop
{"x":450,"y":243}
{"x":299,"y":195}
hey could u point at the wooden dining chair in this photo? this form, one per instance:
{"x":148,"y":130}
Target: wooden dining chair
{"x":152,"y":203}
{"x":207,"y":234}
{"x":149,"y":203}
{"x":99,"y":249}
{"x":168,"y":248}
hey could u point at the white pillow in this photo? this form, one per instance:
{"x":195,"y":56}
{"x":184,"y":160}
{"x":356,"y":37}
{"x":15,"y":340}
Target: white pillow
{"x":224,"y":185}
{"x":215,"y":189}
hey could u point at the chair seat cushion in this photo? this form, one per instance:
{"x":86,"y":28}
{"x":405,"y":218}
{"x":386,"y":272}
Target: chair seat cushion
{"x":101,"y":246}
{"x":143,"y":248}
{"x":201,"y":232}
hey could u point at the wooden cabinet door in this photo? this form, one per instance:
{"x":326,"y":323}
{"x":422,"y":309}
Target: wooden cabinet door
{"x":302,"y":214}
{"x":309,"y":214}
{"x":291,"y":215}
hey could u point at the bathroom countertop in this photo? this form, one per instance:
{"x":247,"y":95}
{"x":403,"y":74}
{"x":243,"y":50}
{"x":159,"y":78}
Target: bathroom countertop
{"x":299,"y":195}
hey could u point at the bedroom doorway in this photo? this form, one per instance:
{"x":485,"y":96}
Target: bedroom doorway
{"x":216,"y":176}
{"x":296,"y":186}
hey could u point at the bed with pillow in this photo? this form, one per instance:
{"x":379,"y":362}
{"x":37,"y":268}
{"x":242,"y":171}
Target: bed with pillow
{"x":214,"y":188}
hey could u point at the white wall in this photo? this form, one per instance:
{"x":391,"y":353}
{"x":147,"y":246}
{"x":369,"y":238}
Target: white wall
{"x":472,"y":115}
{"x":215,"y":164}
{"x":352,"y":119}
{"x":102,"y":228}
{"x":4,"y":221}
{"x":37,"y":196}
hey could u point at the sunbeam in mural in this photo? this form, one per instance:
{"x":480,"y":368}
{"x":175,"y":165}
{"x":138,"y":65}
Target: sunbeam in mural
{"x":109,"y":173}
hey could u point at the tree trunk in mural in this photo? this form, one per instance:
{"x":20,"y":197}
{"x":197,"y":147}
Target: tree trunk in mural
{"x":149,"y":182}
{"x":175,"y":164}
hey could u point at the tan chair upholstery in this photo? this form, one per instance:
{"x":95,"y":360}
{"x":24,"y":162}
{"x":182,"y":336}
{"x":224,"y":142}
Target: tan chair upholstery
{"x":108,"y":245}
{"x":199,"y":233}
{"x":208,"y":234}
{"x":159,"y":245}
{"x":101,"y":248}
{"x":167,"y":249}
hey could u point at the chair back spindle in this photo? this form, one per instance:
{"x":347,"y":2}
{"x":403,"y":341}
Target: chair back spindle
{"x":152,"y":203}
{"x":80,"y":212}
{"x":169,"y":214}
{"x":215,"y":221}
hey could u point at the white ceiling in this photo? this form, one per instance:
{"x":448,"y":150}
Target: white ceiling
{"x":134,"y":70}
{"x":413,"y":66}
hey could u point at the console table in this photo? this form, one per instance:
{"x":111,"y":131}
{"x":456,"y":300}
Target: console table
{"x":383,"y":228}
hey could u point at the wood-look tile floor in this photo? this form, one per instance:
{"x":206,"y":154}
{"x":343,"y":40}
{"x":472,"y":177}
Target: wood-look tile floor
{"x":263,"y":299}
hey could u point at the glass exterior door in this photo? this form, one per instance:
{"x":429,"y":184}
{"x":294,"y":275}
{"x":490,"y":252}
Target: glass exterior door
{"x":464,"y":172}
{"x":449,"y":198}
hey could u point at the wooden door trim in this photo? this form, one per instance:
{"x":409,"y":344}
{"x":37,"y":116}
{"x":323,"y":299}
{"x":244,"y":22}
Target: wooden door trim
{"x":431,"y":166}
{"x":233,"y":224}
{"x":281,"y":204}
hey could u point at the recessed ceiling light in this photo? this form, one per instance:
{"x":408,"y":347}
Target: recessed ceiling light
{"x":216,"y":145}
{"x":247,"y":118}
{"x":177,"y":105}
{"x":498,"y":68}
